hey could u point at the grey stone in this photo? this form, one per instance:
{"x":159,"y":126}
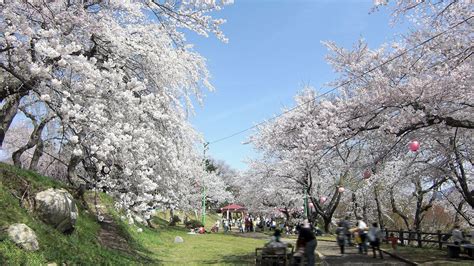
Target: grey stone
{"x":57,"y":208}
{"x":23,"y":236}
{"x":178,"y":239}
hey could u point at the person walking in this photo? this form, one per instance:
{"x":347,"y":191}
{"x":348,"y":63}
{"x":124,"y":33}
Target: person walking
{"x":347,"y":226}
{"x":226,"y":226}
{"x":308,"y":239}
{"x":375,"y":237}
{"x":341,"y":236}
{"x":362,"y":231}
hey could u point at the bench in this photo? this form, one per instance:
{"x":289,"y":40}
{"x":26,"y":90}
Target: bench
{"x":455,"y":250}
{"x":274,"y":256}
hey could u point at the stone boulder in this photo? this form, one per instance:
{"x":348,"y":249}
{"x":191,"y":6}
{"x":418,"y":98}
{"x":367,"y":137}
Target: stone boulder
{"x":23,"y":236}
{"x":178,"y":239}
{"x":57,"y":208}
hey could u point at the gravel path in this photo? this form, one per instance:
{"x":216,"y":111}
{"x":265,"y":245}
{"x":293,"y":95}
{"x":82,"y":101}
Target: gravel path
{"x":329,"y":254}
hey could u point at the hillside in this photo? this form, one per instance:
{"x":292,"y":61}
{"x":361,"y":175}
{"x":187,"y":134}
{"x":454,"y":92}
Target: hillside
{"x":80,"y":247}
{"x":111,"y":243}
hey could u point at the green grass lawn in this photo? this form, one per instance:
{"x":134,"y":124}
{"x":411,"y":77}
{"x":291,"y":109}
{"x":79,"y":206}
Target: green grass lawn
{"x":197,"y":249}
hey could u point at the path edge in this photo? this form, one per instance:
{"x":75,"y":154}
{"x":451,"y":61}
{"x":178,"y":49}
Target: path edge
{"x":399,"y":257}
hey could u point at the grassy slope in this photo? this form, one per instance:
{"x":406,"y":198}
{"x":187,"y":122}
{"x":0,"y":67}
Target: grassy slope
{"x":81,"y":247}
{"x":152,"y":246}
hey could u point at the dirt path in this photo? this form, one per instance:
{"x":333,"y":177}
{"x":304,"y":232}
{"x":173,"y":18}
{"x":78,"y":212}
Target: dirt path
{"x":109,"y":234}
{"x":329,"y":254}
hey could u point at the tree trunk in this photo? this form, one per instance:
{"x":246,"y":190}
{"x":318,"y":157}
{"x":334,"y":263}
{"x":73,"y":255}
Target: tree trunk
{"x":71,"y":169}
{"x":379,"y":208}
{"x":355,"y":206}
{"x":37,"y":155}
{"x":329,"y":208}
{"x":33,"y":141}
{"x":397,"y":211}
{"x":7,"y":113}
{"x":286,"y":213}
{"x":35,"y":137}
{"x":327,"y":224}
{"x":460,"y":173}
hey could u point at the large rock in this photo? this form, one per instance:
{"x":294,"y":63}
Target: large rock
{"x":178,"y":239}
{"x":57,"y":207}
{"x":23,"y":236}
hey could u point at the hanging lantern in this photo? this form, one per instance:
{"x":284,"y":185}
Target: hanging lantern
{"x":322,"y":199}
{"x":367,"y":174}
{"x":414,"y":145}
{"x":341,"y":189}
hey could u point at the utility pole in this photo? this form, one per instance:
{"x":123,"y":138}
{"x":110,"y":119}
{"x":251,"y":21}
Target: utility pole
{"x":203,"y":205}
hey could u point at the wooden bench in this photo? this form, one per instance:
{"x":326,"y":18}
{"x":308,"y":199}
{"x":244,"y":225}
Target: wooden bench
{"x":455,"y":250}
{"x":274,"y":256}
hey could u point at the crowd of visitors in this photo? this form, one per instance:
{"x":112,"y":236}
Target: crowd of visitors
{"x":361,"y":234}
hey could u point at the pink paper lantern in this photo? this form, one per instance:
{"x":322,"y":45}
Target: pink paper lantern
{"x":367,"y":174}
{"x":322,"y":199}
{"x":414,"y":145}
{"x":341,"y":189}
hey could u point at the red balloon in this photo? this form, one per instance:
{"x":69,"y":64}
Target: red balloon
{"x":414,"y":146}
{"x":341,"y":189}
{"x":367,"y":174}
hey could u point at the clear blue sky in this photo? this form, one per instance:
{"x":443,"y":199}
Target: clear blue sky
{"x":274,"y":50}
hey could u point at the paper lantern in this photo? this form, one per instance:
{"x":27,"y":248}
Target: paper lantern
{"x":367,"y":174}
{"x":340,"y":189}
{"x":322,"y":199}
{"x":414,"y":145}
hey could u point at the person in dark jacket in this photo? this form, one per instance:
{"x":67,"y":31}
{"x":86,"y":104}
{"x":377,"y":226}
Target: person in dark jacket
{"x":307,"y":237}
{"x":341,"y":236}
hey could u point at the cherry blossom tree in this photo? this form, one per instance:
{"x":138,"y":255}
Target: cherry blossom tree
{"x":416,"y":88}
{"x":119,"y":78}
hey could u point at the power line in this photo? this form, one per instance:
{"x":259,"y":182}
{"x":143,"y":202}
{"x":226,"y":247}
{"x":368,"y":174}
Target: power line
{"x":342,"y":84}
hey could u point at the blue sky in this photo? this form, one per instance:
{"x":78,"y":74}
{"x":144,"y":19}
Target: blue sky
{"x":274,"y":50}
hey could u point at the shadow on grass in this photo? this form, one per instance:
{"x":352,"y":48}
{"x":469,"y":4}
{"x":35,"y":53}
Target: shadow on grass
{"x":248,"y":259}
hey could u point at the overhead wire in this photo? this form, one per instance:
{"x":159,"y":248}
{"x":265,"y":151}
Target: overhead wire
{"x":342,"y":84}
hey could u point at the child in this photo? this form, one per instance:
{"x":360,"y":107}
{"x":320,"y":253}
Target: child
{"x":394,"y":241}
{"x":358,"y":241}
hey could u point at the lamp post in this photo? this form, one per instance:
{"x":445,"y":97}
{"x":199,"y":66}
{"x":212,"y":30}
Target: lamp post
{"x":203,"y":195}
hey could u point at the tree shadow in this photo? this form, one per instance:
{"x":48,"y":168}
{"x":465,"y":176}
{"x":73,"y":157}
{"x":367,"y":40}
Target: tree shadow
{"x":245,"y":259}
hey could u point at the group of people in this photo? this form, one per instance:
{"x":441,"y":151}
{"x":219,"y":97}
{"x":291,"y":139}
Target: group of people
{"x":246,"y":224}
{"x":362,"y":236}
